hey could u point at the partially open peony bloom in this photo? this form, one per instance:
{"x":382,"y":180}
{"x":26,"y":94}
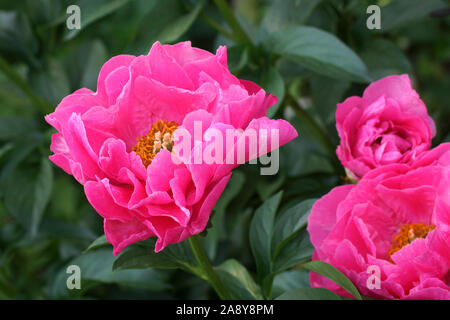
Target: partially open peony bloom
{"x":119,"y":141}
{"x":395,"y":223}
{"x":388,"y":124}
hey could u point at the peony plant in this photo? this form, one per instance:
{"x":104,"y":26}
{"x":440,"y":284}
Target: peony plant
{"x":388,"y":124}
{"x":175,"y":172}
{"x":117,"y":141}
{"x":121,"y":142}
{"x":394,"y":223}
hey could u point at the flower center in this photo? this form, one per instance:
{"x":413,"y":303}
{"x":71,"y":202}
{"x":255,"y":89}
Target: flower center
{"x":408,"y":233}
{"x":159,"y":137}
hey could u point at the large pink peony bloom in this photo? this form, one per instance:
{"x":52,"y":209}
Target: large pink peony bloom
{"x":389,"y":124}
{"x":397,"y":218}
{"x":118,"y":142}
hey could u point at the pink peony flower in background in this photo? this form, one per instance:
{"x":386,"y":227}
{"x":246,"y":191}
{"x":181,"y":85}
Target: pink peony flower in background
{"x":397,"y":220}
{"x":389,"y":124}
{"x":118,"y":142}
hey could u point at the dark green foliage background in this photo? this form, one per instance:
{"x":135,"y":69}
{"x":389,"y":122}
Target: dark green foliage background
{"x":310,"y":53}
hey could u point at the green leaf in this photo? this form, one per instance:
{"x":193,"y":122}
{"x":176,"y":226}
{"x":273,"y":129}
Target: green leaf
{"x":90,"y":58}
{"x":16,"y":37}
{"x":92,"y":11}
{"x":284,"y":13}
{"x":272,"y":82}
{"x":238,"y":31}
{"x":181,"y":252}
{"x":261,"y":233}
{"x":305,"y":160}
{"x":177,"y":255}
{"x":12,"y":127}
{"x":333,"y":274}
{"x":143,"y":258}
{"x":325,"y":104}
{"x":166,"y":21}
{"x":394,"y":60}
{"x":311,"y":184}
{"x":318,"y":51}
{"x":267,"y":186}
{"x":326,"y":16}
{"x":57,"y":228}
{"x":22,"y":147}
{"x":97,"y":243}
{"x":237,"y":57}
{"x":84,"y":63}
{"x":42,"y":193}
{"x":42,"y":12}
{"x":18,"y":81}
{"x":239,"y":281}
{"x":52,"y":84}
{"x":177,"y":28}
{"x":310,"y":294}
{"x":96,"y":268}
{"x":292,"y":220}
{"x":26,"y":193}
{"x":281,"y":243}
{"x":400,"y":13}
{"x":66,"y":197}
{"x":290,"y":280}
{"x":292,"y":251}
{"x":291,"y":243}
{"x":217,"y":231}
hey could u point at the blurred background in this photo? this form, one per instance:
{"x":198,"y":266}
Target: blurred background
{"x":46,"y":222}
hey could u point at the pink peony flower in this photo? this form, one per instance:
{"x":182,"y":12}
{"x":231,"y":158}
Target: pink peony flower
{"x":119,"y":141}
{"x":394,"y":222}
{"x":389,"y":124}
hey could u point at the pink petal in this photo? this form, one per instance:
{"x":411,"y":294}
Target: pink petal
{"x":122,"y":234}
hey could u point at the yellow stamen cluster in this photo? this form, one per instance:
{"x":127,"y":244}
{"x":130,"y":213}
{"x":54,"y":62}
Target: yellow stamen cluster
{"x":159,"y":137}
{"x":408,"y":233}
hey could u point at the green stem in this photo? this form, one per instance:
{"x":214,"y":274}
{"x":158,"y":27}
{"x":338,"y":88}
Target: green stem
{"x":317,"y":131}
{"x":43,"y":106}
{"x":211,"y":275}
{"x":216,"y":26}
{"x":229,"y":17}
{"x":267,"y":286}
